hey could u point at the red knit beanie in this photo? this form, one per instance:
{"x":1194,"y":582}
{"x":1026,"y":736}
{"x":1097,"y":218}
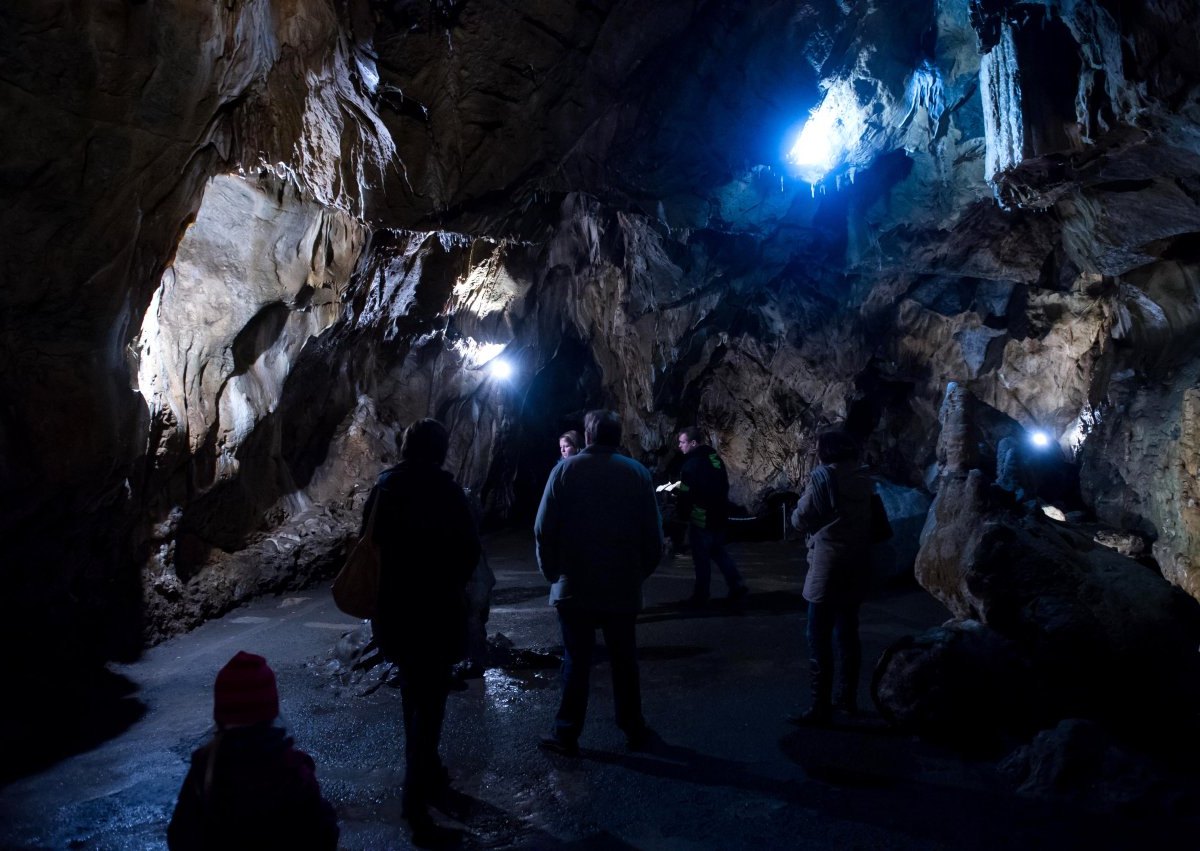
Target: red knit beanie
{"x":245,"y":692}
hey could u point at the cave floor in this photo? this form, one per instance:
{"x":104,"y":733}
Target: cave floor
{"x":731,"y":773}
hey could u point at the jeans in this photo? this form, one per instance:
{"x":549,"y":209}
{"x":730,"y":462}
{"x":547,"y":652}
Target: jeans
{"x":579,"y":641}
{"x":829,"y":624}
{"x":708,"y":545}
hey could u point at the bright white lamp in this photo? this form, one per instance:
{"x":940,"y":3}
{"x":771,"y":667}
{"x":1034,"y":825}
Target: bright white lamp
{"x":500,"y":369}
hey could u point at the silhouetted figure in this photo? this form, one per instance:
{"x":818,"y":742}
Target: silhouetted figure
{"x":703,"y":502}
{"x":429,"y":547}
{"x":248,"y":787}
{"x":598,"y":537}
{"x":835,"y":511}
{"x":570,"y":443}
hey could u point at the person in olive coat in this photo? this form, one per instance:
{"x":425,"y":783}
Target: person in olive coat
{"x":835,"y":511}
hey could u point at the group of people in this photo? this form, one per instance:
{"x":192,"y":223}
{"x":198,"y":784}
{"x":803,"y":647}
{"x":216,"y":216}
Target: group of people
{"x":598,"y":536}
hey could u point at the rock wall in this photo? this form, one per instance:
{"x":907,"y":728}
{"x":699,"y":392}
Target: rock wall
{"x":125,"y":111}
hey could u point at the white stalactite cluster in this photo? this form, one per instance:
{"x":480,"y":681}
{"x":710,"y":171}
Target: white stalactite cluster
{"x":1000,"y":90}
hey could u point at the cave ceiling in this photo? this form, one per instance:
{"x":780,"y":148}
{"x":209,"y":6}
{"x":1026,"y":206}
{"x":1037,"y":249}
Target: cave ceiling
{"x":247,"y":242}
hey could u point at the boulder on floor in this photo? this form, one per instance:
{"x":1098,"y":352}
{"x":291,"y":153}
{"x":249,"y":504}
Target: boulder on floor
{"x":1079,"y":762}
{"x":961,"y":683}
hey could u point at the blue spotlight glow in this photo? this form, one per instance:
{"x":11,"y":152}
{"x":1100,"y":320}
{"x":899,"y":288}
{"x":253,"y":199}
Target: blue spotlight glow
{"x":813,"y":151}
{"x":1039,"y":438}
{"x":500,"y":369}
{"x":833,"y":130}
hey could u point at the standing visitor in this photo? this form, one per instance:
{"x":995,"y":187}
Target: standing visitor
{"x":598,"y":537}
{"x":835,"y":511}
{"x":428,"y":548}
{"x":703,"y":503}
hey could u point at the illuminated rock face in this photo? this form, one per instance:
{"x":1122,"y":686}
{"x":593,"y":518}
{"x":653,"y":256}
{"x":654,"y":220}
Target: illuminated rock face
{"x":1082,"y":613}
{"x":600,"y":193}
{"x":125,"y":111}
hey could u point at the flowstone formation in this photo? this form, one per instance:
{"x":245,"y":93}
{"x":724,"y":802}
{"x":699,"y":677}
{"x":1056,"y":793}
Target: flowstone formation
{"x":250,"y":242}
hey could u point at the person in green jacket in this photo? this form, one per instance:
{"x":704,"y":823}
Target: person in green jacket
{"x":703,"y":502}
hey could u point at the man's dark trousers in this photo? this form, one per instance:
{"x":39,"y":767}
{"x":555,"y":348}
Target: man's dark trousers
{"x":708,"y":545}
{"x":424,"y":686}
{"x":579,"y":643}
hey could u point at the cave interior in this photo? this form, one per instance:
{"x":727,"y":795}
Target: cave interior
{"x":249,"y":242}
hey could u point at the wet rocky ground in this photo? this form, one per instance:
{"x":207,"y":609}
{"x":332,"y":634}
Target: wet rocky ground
{"x":717,"y":684}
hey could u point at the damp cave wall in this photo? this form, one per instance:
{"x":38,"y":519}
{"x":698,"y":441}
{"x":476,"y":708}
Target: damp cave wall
{"x":248,"y":242}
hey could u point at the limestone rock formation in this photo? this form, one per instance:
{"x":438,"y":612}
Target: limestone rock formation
{"x":1105,"y":634}
{"x":962,"y":683}
{"x":125,"y":111}
{"x":247,"y":242}
{"x":1078,"y":762}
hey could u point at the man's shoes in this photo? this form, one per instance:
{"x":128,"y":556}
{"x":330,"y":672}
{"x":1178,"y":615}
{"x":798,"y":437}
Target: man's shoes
{"x":737,"y":593}
{"x":814,"y":716}
{"x":562,"y":747}
{"x":461,"y":672}
{"x":467,"y":670}
{"x":427,"y":833}
{"x":452,"y":802}
{"x":644,"y":740}
{"x":415,"y":811}
{"x":694,"y":602}
{"x":847,"y":705}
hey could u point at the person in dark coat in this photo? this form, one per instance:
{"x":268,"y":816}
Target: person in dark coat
{"x":249,"y":787}
{"x":598,"y":537}
{"x":835,"y":511}
{"x":703,"y":502}
{"x":428,"y":549}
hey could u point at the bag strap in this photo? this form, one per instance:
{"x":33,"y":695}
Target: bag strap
{"x":368,"y":534}
{"x":829,"y":485}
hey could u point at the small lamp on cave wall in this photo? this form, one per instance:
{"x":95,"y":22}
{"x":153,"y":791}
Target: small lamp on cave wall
{"x":1039,"y":438}
{"x":490,"y":357}
{"x":500,"y":369}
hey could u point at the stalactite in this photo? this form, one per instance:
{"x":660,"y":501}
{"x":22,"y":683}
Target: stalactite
{"x":1000,"y":89}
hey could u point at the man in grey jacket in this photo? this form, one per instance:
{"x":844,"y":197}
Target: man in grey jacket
{"x":598,"y":536}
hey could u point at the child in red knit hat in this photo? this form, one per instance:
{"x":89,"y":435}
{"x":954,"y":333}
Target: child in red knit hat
{"x":249,"y":787}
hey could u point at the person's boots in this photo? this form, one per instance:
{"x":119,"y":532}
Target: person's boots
{"x":820,"y":713}
{"x":847,"y":691}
